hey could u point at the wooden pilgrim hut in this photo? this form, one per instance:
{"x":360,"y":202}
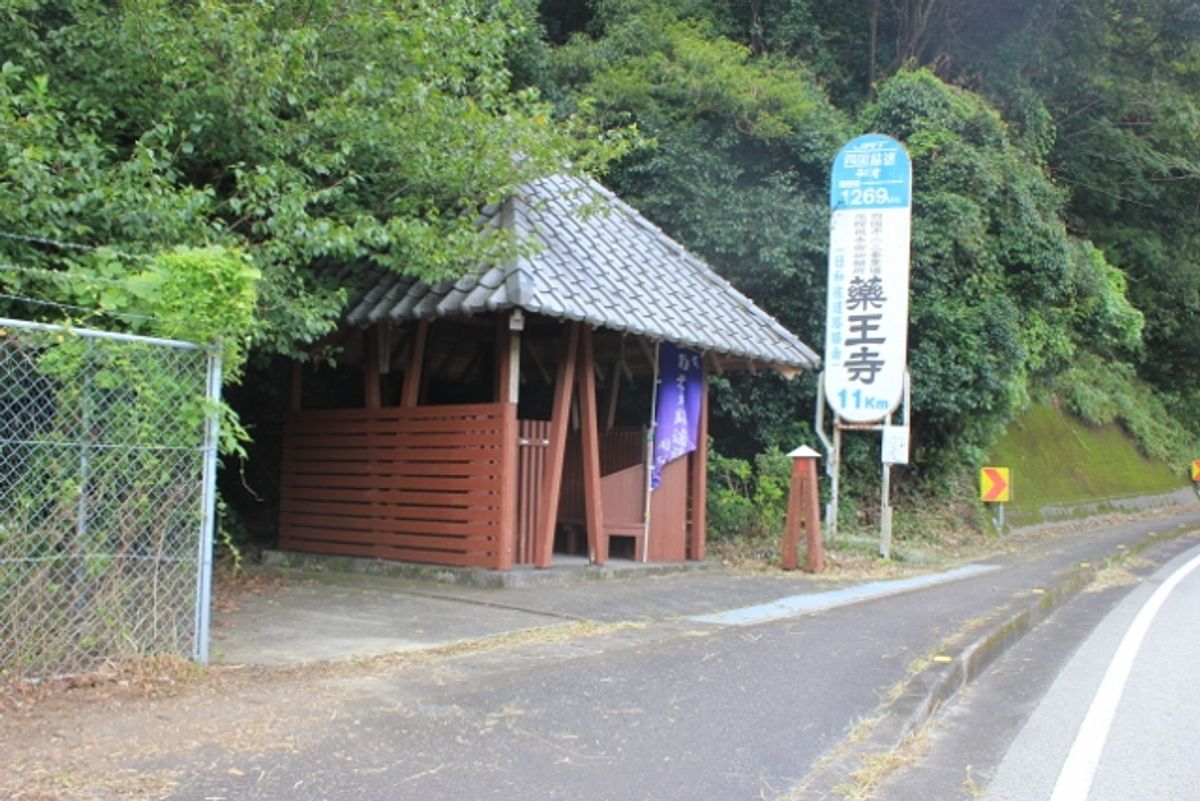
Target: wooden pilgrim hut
{"x":512,"y":414}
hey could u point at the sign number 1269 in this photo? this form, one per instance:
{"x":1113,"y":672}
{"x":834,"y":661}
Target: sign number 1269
{"x":871,"y":196}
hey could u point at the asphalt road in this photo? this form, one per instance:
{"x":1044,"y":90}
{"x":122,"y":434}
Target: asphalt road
{"x":686,"y":710}
{"x":1100,"y":703}
{"x":693,"y":706}
{"x":1122,"y":718}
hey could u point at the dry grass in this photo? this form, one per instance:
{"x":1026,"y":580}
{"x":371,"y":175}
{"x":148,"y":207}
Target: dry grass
{"x":76,"y":741}
{"x":1115,"y":575}
{"x":148,"y":676}
{"x":151,"y":676}
{"x":230,"y":584}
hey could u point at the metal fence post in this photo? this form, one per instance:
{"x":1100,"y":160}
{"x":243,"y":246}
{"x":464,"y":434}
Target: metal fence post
{"x":208,"y":515}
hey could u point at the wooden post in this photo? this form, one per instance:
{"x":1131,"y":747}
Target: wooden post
{"x":802,"y":507}
{"x":508,"y":353}
{"x":370,"y":365}
{"x":411,"y":393}
{"x":812,"y":518}
{"x":508,"y":360}
{"x":560,"y":415}
{"x":696,"y":535}
{"x":590,"y":440}
{"x":506,"y":534}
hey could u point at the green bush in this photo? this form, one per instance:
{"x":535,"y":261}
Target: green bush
{"x":748,"y":501}
{"x":1099,"y":391}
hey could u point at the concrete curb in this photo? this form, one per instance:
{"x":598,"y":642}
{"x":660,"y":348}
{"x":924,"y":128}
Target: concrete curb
{"x":567,"y":572}
{"x":930,"y":689}
{"x":1053,"y":515}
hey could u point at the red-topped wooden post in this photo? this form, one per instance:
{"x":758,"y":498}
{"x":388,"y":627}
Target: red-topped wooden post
{"x":803,"y":506}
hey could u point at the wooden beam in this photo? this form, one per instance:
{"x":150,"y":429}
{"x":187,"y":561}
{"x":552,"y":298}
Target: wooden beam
{"x":465,"y":373}
{"x":370,"y":366}
{"x":620,"y":368}
{"x":411,"y":392}
{"x":714,"y":363}
{"x":650,"y":352}
{"x":564,"y":383}
{"x":451,"y":347}
{"x":537,"y":362}
{"x":593,"y":514}
{"x":610,"y":404}
{"x":697,"y":533}
{"x":384,"y":338}
{"x":508,"y":361}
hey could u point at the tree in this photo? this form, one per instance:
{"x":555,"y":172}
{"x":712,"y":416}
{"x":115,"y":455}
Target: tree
{"x":737,"y":171}
{"x":1126,"y":147}
{"x":309,"y":134}
{"x":1002,"y":297}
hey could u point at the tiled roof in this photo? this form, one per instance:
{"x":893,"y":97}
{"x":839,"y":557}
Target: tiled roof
{"x":603,"y":263}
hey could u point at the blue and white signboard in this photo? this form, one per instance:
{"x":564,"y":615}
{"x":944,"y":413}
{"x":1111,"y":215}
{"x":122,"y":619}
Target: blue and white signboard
{"x":866,"y":324}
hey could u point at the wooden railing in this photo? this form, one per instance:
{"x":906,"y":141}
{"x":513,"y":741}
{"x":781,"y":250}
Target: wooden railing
{"x":622,"y":455}
{"x":533,"y":442}
{"x":423,"y":484}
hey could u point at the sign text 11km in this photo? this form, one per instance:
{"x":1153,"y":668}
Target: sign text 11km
{"x":866,"y":325}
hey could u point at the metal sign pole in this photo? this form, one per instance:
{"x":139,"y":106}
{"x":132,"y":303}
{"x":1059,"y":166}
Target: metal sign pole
{"x":891,"y":454}
{"x":831,"y":524}
{"x":885,"y":506}
{"x":650,"y":455}
{"x":833,"y":461}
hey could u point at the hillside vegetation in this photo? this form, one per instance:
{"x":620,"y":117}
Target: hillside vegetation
{"x":1057,"y":461}
{"x":1056,"y":179}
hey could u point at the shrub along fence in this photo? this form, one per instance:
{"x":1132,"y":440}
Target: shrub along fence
{"x":107,"y":467}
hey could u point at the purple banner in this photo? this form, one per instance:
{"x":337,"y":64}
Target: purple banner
{"x":677,"y":418}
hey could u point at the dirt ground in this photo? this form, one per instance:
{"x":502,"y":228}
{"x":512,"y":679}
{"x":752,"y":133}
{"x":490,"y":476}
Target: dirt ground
{"x":108,"y":737}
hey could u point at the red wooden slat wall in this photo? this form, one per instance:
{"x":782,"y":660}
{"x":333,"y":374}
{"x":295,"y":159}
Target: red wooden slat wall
{"x":420,"y":484}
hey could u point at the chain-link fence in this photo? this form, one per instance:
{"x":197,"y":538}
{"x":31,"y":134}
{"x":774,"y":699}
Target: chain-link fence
{"x":107,"y":456}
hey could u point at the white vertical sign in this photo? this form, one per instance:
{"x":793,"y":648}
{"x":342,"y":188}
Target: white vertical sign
{"x":866,"y":324}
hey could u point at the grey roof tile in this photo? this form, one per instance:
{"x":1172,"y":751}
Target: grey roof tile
{"x":601,"y":262}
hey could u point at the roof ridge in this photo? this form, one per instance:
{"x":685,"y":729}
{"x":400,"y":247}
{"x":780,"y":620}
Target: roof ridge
{"x":585,"y":254}
{"x":518,"y":284}
{"x":702,"y":267}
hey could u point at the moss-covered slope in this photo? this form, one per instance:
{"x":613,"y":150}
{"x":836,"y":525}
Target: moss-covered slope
{"x":1055,"y":460}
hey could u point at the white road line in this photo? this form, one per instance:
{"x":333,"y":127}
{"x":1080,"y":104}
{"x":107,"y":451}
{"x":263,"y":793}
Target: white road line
{"x":1079,"y":770}
{"x":819,"y":602}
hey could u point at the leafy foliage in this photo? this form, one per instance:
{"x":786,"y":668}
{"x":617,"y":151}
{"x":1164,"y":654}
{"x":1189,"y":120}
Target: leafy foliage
{"x":749,"y":500}
{"x":1100,"y":392}
{"x":737,"y":172}
{"x":303,"y":133}
{"x":152,"y":153}
{"x":1004,"y":297}
{"x":990,"y":257}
